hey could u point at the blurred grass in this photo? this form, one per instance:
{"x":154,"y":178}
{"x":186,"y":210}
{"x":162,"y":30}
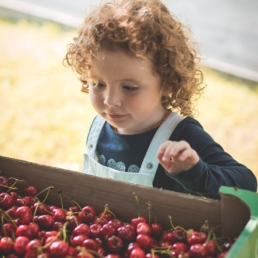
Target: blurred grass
{"x":45,"y":117}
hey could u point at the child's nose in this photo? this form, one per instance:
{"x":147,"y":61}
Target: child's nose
{"x":112,"y":99}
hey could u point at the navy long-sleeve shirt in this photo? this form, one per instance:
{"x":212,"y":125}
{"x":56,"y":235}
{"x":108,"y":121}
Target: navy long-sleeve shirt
{"x":215,"y":168}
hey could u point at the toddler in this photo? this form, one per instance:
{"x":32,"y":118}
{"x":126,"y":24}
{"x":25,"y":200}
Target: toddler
{"x":137,"y":63}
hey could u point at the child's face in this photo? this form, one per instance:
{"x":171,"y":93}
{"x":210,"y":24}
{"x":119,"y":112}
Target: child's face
{"x":127,"y":94}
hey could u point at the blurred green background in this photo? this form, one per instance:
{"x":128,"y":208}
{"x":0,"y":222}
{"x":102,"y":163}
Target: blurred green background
{"x":44,"y":117}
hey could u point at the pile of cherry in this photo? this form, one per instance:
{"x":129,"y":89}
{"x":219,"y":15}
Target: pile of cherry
{"x":30,"y":228}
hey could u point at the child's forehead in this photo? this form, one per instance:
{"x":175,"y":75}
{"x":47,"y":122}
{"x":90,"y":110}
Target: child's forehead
{"x":118,"y":57}
{"x":120,"y":65}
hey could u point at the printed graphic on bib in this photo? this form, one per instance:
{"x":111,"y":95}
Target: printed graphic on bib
{"x":111,"y":163}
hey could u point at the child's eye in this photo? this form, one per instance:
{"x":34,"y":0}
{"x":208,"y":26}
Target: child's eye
{"x":98,"y":85}
{"x":130,"y":88}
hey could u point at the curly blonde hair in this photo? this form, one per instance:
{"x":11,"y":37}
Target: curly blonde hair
{"x":143,"y":28}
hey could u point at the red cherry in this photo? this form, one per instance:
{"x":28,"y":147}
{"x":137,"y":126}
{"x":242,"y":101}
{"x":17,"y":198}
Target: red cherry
{"x":6,"y":245}
{"x":87,"y":214}
{"x":44,"y":255}
{"x":72,"y":252}
{"x":137,"y":253}
{"x":30,"y":200}
{"x":50,"y":233}
{"x":197,"y":251}
{"x":24,"y":230}
{"x":107,"y":215}
{"x":143,"y":228}
{"x":113,"y":256}
{"x":102,"y":221}
{"x":107,"y":230}
{"x":22,"y":201}
{"x":115,"y":244}
{"x":156,"y":229}
{"x":50,"y":240}
{"x":226,"y":246}
{"x":178,"y":248}
{"x":59,"y":215}
{"x":23,"y":215}
{"x":31,"y":190}
{"x":74,"y":209}
{"x":145,"y":241}
{"x":196,"y":237}
{"x":95,"y":230}
{"x":14,"y":195}
{"x":150,"y":255}
{"x":41,"y":208}
{"x":34,"y":229}
{"x":34,"y":244}
{"x":6,"y":201}
{"x":223,"y":255}
{"x":11,"y":212}
{"x":99,"y":242}
{"x":81,"y":229}
{"x":57,"y":225}
{"x":211,"y":247}
{"x":20,"y":245}
{"x":90,"y":244}
{"x":45,"y":221}
{"x":3,"y":183}
{"x":8,"y":229}
{"x":136,"y":221}
{"x":59,"y":249}
{"x":173,"y":236}
{"x":84,"y":254}
{"x":185,"y":255}
{"x":73,"y":222}
{"x":116,"y":222}
{"x":13,"y":256}
{"x":78,"y":240}
{"x":102,"y":251}
{"x":130,"y":247}
{"x":127,"y":233}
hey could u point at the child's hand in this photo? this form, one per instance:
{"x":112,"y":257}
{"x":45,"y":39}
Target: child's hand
{"x":176,"y":157}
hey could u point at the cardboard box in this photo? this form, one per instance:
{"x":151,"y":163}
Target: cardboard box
{"x":236,"y":213}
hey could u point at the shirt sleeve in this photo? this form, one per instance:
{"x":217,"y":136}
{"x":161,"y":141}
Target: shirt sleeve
{"x":216,"y":168}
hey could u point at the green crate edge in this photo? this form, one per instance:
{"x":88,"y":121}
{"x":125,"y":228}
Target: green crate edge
{"x":246,"y":245}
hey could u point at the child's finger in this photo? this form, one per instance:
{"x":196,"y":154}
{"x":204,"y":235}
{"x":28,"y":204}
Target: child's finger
{"x":179,"y":148}
{"x":166,"y":151}
{"x":163,"y":148}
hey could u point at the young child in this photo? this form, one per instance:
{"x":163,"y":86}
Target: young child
{"x":140,"y":69}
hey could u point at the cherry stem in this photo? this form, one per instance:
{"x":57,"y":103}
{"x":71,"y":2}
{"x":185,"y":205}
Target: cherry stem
{"x":205,"y":227}
{"x":171,"y":223}
{"x":5,"y":214}
{"x":48,"y":191}
{"x":64,"y":231}
{"x":149,"y":205}
{"x":35,"y":211}
{"x":52,"y":240}
{"x":61,"y":200}
{"x":73,"y":201}
{"x":83,"y":250}
{"x":138,"y":205}
{"x":76,"y":221}
{"x":16,"y":181}
{"x":108,"y":210}
{"x":60,"y":192}
{"x":9,"y":188}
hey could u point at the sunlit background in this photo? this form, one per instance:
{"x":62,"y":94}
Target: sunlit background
{"x":44,"y":117}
